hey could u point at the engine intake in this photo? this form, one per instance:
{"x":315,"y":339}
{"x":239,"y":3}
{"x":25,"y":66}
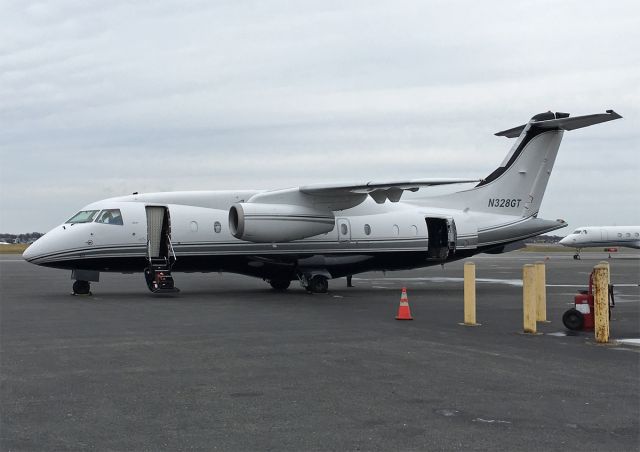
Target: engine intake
{"x":266,"y":223}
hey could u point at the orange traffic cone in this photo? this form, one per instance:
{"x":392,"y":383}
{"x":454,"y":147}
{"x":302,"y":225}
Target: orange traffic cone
{"x":404,"y":313}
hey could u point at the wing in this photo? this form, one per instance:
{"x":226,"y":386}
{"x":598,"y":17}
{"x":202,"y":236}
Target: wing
{"x":344,"y":196}
{"x":301,"y":212}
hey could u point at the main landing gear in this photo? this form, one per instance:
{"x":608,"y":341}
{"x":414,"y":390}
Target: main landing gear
{"x":314,"y":283}
{"x":311,"y":281}
{"x":280,"y":284}
{"x":318,"y":284}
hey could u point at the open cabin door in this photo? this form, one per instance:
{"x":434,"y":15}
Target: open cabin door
{"x":160,"y":255}
{"x":442,"y":237}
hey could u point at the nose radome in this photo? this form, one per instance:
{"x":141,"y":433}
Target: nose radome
{"x":30,"y":252}
{"x":37,"y":248}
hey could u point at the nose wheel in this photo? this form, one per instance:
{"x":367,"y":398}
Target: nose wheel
{"x":81,"y":288}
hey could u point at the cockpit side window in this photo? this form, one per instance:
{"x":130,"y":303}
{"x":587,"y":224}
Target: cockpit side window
{"x":84,"y":216}
{"x":110,"y":216}
{"x":577,"y":231}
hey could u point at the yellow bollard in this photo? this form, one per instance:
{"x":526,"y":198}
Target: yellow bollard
{"x":606,"y":263}
{"x":470,"y":294}
{"x":541,"y":292}
{"x":529,"y":298}
{"x":601,"y":302}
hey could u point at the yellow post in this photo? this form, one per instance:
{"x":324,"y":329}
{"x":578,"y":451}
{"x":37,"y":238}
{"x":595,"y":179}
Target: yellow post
{"x":606,"y":263}
{"x":470,"y":294}
{"x":601,"y":302}
{"x":541,"y":292}
{"x":529,"y":298}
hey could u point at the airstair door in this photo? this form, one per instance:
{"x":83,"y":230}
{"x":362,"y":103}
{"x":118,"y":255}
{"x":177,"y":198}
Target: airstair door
{"x":160,"y":255}
{"x":155,"y":226}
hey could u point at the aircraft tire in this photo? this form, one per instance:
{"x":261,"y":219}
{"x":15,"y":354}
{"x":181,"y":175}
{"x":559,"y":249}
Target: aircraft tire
{"x":576,"y":257}
{"x":280,"y":284}
{"x":81,"y":287}
{"x":573,"y":319}
{"x":319,"y":284}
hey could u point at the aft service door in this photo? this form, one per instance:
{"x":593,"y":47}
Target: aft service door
{"x":442,"y":235}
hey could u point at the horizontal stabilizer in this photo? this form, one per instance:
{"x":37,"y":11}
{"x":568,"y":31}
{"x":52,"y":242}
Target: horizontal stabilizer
{"x":563,"y":123}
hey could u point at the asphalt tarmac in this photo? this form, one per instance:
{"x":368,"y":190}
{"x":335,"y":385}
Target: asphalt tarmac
{"x":230,"y":364}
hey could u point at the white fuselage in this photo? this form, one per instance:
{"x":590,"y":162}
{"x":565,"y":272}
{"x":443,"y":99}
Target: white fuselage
{"x":315,"y":232}
{"x":201,"y":237}
{"x":607,"y":236}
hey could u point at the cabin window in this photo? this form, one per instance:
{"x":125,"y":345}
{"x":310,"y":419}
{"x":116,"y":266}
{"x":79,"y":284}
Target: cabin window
{"x":414,"y":229}
{"x":344,"y":229}
{"x":628,"y":235}
{"x":194,"y":226}
{"x":367,"y":229}
{"x":396,"y":230}
{"x":217,"y":227}
{"x":637,"y":234}
{"x":110,"y":216}
{"x":620,"y":234}
{"x":84,"y":216}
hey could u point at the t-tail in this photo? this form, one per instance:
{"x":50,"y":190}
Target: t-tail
{"x":517,"y":186}
{"x":504,"y":206}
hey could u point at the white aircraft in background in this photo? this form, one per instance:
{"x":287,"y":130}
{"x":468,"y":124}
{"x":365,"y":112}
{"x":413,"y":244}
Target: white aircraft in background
{"x":316,"y":232}
{"x":591,"y":236}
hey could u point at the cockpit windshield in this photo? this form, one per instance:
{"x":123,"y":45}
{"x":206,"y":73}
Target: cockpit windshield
{"x":84,"y":216}
{"x":110,"y":216}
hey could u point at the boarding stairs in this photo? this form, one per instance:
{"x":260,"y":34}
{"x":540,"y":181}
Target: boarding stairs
{"x":158,"y":274}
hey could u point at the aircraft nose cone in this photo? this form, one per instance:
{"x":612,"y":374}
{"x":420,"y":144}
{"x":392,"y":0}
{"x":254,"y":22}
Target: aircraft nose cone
{"x":38,"y":249}
{"x":567,"y":241}
{"x":31,"y":252}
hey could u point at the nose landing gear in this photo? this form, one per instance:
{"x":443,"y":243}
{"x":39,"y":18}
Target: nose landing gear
{"x":82,"y":284}
{"x":81,"y":288}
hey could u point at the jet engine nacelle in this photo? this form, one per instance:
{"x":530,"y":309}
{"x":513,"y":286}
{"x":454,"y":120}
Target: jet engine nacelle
{"x":256,"y":222}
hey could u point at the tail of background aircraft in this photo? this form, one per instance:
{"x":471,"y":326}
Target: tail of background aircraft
{"x":517,"y":186}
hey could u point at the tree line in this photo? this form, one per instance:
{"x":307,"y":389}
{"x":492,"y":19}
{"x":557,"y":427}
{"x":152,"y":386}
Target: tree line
{"x":20,"y":238}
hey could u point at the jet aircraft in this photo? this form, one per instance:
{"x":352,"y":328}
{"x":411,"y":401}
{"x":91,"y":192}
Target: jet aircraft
{"x":586,"y":236}
{"x":314,"y":233}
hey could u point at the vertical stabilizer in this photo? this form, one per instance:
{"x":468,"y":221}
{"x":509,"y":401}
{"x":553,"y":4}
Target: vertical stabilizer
{"x":517,"y":186}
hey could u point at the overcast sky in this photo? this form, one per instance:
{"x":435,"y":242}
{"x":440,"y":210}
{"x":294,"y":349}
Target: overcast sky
{"x":104,"y":98}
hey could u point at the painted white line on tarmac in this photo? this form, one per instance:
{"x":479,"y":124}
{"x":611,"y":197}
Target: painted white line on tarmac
{"x":441,"y":279}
